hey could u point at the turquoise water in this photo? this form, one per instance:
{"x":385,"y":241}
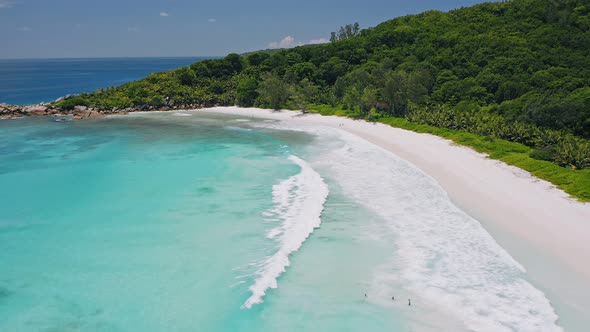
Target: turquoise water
{"x":185,"y":221}
{"x":150,"y":224}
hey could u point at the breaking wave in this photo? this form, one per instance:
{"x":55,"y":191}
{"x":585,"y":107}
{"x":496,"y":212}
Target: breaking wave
{"x":298,"y":205}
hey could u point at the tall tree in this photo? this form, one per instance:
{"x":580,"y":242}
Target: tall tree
{"x":333,"y":37}
{"x":304,"y":93}
{"x":274,"y":90}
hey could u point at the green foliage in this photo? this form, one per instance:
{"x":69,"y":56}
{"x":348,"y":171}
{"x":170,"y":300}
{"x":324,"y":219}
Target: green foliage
{"x":345,"y":32}
{"x":402,"y":89}
{"x":303,"y":93}
{"x":256,"y":59}
{"x":562,"y":148}
{"x":273,"y":90}
{"x":543,"y":154}
{"x":573,"y":152}
{"x":70,"y":103}
{"x":516,"y":71}
{"x":246,"y":91}
{"x":186,"y":76}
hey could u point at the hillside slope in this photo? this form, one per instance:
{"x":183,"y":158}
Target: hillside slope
{"x":518,"y":71}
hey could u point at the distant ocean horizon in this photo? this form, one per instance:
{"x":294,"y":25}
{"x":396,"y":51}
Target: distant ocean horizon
{"x":32,"y":81}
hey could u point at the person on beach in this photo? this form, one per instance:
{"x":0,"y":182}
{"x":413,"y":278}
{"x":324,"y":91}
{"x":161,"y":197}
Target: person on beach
{"x":409,"y":302}
{"x":393,"y":298}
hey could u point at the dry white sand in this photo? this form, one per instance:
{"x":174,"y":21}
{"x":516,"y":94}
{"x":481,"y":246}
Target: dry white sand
{"x":542,"y":228}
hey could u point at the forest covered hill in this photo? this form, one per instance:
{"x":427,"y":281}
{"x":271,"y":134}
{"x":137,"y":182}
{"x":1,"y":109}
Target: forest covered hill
{"x":517,"y":70}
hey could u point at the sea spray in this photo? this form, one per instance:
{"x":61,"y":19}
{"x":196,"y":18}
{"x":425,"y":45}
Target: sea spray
{"x":298,"y":205}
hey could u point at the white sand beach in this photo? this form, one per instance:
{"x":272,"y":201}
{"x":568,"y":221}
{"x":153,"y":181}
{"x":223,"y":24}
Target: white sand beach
{"x":539,"y":225}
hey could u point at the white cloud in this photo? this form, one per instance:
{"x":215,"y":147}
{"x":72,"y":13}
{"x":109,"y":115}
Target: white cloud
{"x":212,"y":20}
{"x":164,"y":14}
{"x":319,"y":41}
{"x":25,"y":29}
{"x":289,"y":42}
{"x":286,"y":42}
{"x":133,"y":29}
{"x":6,"y":4}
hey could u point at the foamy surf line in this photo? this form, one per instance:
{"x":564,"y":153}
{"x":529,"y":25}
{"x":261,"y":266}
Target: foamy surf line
{"x":445,"y":257}
{"x":298,"y":205}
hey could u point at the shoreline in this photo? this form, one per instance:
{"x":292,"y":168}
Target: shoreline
{"x":79,"y":112}
{"x":539,"y":225}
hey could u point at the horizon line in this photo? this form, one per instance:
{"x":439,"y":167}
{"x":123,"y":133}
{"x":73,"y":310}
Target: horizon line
{"x":115,"y":57}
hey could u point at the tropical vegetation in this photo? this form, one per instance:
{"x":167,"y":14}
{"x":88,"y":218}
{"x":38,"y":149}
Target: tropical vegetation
{"x":517,"y":71}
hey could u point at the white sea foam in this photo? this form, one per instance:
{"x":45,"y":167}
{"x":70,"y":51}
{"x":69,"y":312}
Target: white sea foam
{"x":237,"y":128}
{"x":181,"y":114}
{"x":298,"y":204}
{"x":443,"y":256}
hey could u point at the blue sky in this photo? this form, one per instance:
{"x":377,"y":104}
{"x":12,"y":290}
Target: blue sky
{"x":123,"y":28}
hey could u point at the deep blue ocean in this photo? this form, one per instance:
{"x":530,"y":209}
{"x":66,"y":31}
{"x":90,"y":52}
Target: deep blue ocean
{"x":31,"y":81}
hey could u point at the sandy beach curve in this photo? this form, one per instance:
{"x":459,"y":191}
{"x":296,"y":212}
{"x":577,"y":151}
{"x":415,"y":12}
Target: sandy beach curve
{"x":539,"y":225}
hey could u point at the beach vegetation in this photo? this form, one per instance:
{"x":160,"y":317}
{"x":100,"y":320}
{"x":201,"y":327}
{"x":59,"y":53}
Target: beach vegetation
{"x":273,"y":90}
{"x":515,"y":72}
{"x":70,"y":103}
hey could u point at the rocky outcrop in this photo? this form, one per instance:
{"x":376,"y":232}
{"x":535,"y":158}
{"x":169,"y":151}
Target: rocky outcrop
{"x":10,"y":111}
{"x":82,"y":112}
{"x":35,"y":110}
